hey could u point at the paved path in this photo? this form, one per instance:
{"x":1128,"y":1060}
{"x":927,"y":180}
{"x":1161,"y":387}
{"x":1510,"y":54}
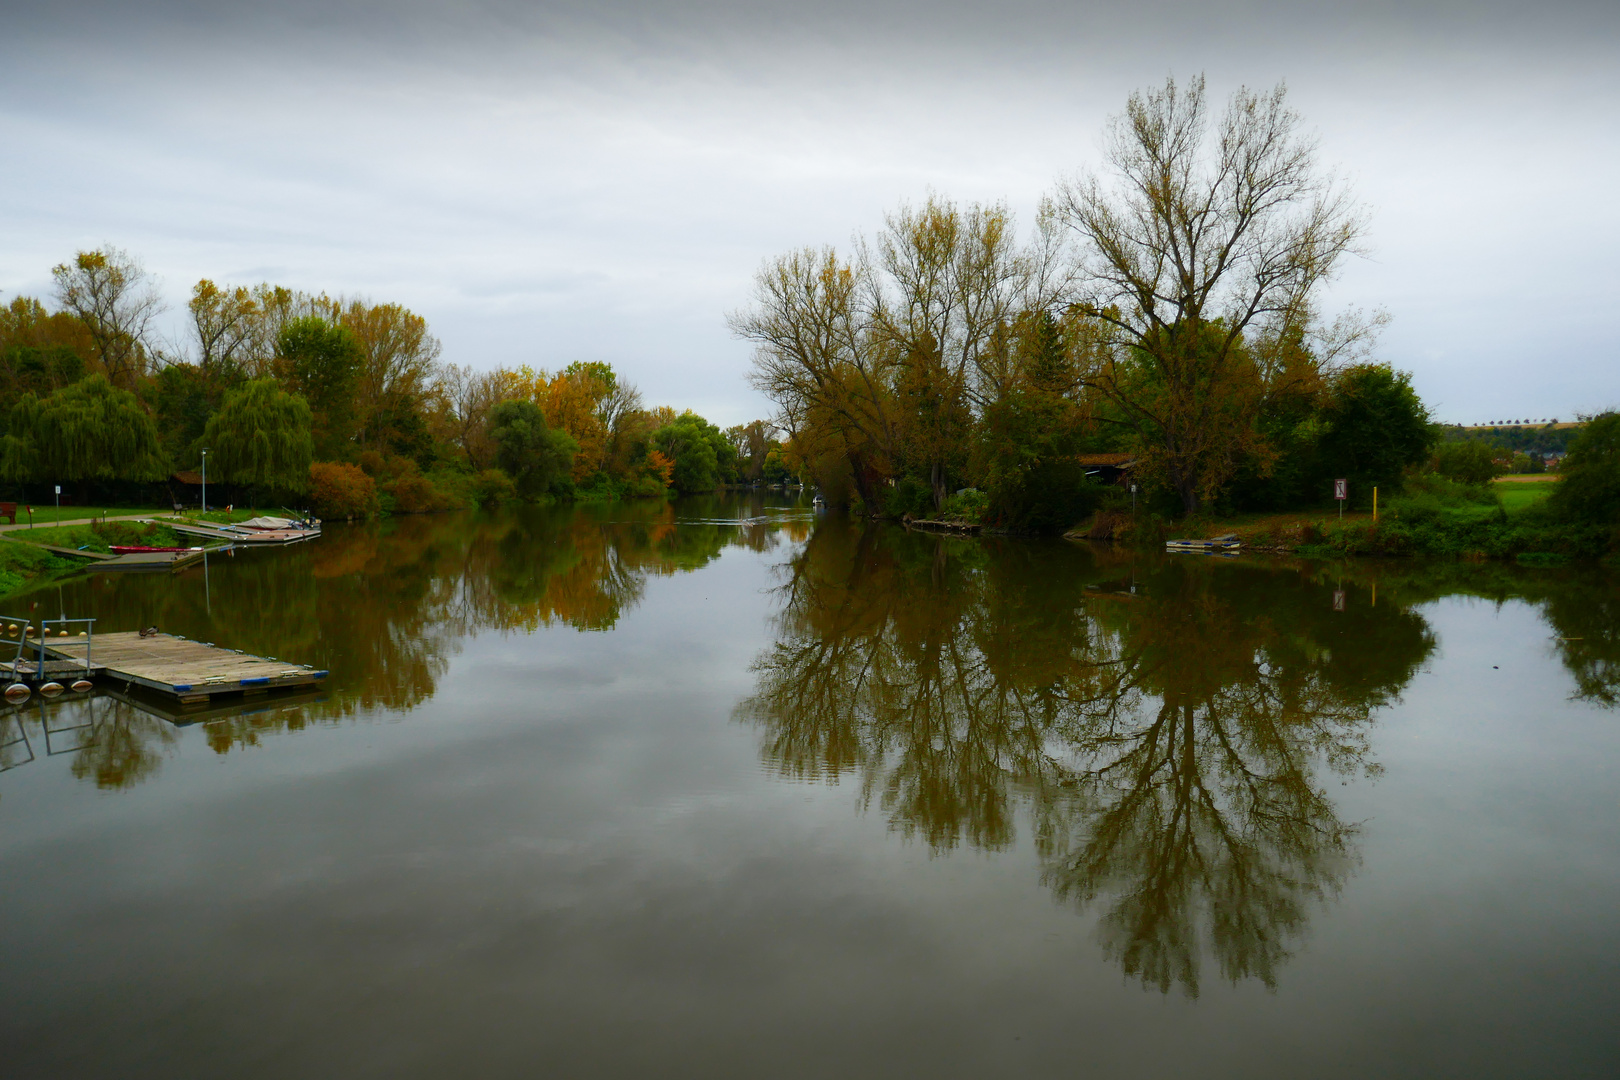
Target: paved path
{"x":80,"y":521}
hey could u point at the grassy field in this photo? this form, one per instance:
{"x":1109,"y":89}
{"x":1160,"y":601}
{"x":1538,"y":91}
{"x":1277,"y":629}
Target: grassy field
{"x":1518,"y":494}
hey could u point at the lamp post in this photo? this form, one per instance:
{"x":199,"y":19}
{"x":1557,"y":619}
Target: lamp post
{"x":205,"y":481}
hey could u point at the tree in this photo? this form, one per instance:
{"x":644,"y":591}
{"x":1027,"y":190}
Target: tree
{"x":1378,"y":427}
{"x":1588,"y":488}
{"x":26,"y":323}
{"x":322,"y":362}
{"x":397,"y":366}
{"x":226,"y":325}
{"x":531,"y":454}
{"x":703,"y":457}
{"x":1467,"y":462}
{"x":811,"y":326}
{"x":111,"y":294}
{"x":877,"y":368}
{"x":90,"y":430}
{"x":261,"y":437}
{"x":752,"y":442}
{"x":1197,"y":261}
{"x":466,"y":397}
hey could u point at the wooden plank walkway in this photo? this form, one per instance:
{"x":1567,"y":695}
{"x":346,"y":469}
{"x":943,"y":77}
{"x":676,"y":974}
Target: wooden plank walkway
{"x":190,"y":670}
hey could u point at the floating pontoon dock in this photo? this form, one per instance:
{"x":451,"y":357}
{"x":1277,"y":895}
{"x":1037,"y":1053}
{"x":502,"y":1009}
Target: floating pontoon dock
{"x":245,"y":536}
{"x":190,"y":670}
{"x":153,"y":560}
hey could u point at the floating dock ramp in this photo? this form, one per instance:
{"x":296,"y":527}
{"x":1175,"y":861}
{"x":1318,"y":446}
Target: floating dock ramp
{"x":190,"y":670}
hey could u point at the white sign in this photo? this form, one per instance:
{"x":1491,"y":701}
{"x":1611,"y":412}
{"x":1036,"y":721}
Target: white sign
{"x":1341,"y":489}
{"x":59,"y":489}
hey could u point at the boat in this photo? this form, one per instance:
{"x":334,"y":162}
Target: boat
{"x":1226,"y":543}
{"x":136,"y":549}
{"x":276,"y":524}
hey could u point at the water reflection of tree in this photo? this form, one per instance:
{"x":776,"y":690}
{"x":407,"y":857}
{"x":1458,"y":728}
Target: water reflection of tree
{"x":1166,"y":734}
{"x":384,"y":607}
{"x":111,"y":743}
{"x":1579,"y":603}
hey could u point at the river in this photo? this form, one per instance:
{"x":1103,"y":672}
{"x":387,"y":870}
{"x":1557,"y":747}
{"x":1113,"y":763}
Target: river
{"x":727,"y":788}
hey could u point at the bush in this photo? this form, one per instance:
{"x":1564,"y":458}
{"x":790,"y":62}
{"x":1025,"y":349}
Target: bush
{"x":647,"y":487}
{"x":967,"y":505}
{"x":492,"y":487}
{"x":1050,"y":497}
{"x":415,"y":494}
{"x":1589,"y":479}
{"x":341,"y":491}
{"x":1467,"y":462}
{"x":909,"y":496}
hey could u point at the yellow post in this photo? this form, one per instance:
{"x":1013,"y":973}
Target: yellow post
{"x":1375,"y":504}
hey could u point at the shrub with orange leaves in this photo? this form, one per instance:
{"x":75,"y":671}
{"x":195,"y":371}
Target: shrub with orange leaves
{"x":337,"y":490}
{"x":660,"y":466}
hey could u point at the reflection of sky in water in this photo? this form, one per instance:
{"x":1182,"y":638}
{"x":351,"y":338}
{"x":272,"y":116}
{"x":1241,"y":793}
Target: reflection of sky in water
{"x":560,"y":849}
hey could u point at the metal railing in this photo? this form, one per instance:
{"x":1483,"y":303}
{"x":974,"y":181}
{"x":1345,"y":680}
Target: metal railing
{"x":45,"y":637}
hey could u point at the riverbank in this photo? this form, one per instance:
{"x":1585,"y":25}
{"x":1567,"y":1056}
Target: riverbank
{"x":1527,"y":535}
{"x":26,"y":561}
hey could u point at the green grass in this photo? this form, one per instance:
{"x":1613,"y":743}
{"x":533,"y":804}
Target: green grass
{"x":1518,"y":495}
{"x":22,"y":565}
{"x":101,"y":538}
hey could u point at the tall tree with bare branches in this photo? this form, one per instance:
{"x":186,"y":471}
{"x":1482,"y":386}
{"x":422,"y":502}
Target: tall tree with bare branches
{"x":117,"y":302}
{"x":1201,"y":247}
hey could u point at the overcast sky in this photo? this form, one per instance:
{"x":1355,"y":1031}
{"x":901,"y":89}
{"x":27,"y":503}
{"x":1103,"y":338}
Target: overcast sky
{"x":551,"y":182}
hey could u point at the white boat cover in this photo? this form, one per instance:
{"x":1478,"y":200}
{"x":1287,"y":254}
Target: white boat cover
{"x":268,"y":523}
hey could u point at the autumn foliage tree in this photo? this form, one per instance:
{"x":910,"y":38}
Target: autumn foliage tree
{"x":1201,"y":251}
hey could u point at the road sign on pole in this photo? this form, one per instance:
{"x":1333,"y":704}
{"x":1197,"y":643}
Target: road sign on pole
{"x":1341,"y":491}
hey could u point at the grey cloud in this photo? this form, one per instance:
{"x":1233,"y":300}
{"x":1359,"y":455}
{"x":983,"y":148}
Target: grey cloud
{"x":549,"y":182}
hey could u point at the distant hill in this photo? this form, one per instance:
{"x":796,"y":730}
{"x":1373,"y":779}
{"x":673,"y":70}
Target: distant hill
{"x":1549,"y":438}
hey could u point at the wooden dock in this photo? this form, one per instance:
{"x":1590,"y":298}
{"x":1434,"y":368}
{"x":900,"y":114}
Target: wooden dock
{"x":75,"y":552}
{"x":957,"y":528}
{"x":190,"y":670}
{"x":268,"y":537}
{"x":28,"y":671}
{"x":152,"y":560}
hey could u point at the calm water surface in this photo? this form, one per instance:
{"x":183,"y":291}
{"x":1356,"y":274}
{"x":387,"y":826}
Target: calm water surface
{"x":724,"y":789}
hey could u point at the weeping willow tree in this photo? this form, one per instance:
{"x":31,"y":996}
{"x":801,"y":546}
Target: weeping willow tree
{"x":262,"y":437}
{"x":87,"y":431}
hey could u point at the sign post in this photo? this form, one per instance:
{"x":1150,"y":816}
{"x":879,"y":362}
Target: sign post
{"x":58,"y":502}
{"x":1341,"y":491}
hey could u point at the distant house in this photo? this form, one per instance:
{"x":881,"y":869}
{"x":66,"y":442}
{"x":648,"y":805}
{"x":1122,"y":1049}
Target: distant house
{"x":1109,"y":468}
